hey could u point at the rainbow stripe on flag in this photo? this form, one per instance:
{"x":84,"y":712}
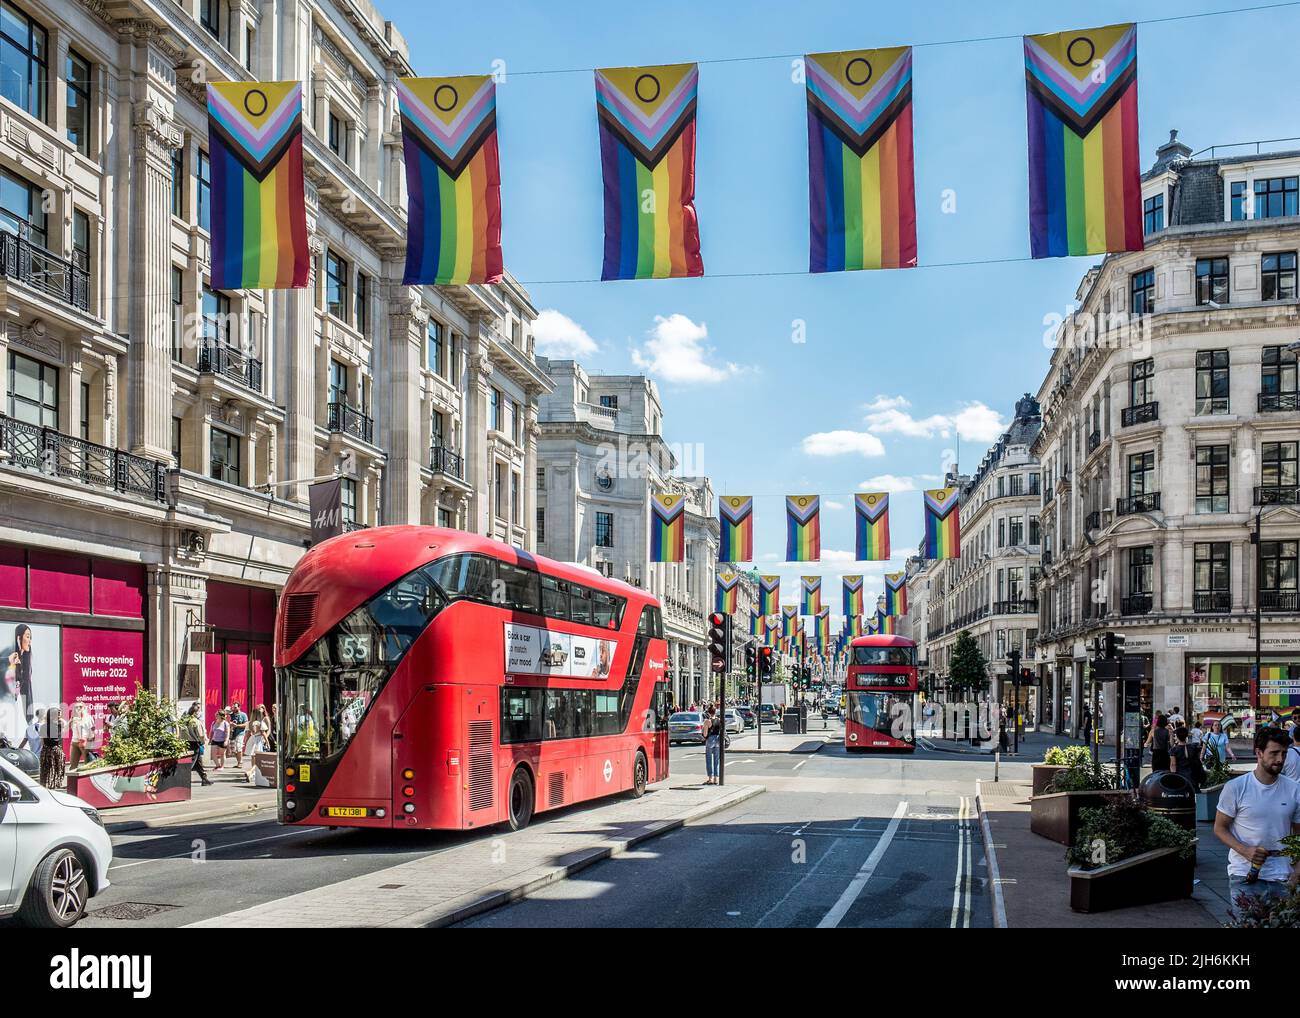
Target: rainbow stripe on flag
{"x":453,"y":177}
{"x":823,"y":630}
{"x":259,"y":209}
{"x":855,"y":625}
{"x":942,"y":523}
{"x":810,"y":595}
{"x":803,"y":528}
{"x":861,"y":192}
{"x":728,"y":591}
{"x":789,"y":619}
{"x":871,"y":510}
{"x":735,"y":528}
{"x":853,"y":595}
{"x":647,"y":156}
{"x":885,"y":624}
{"x":873,"y":625}
{"x":757,"y":624}
{"x":769,"y":594}
{"x":1085,"y":193}
{"x":895,"y":593}
{"x":667,"y":528}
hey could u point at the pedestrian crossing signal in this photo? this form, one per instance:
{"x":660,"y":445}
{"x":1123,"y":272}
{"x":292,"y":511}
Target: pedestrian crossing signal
{"x":719,"y":641}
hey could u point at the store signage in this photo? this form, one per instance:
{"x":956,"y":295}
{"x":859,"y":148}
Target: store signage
{"x":326,"y":501}
{"x":1178,"y":640}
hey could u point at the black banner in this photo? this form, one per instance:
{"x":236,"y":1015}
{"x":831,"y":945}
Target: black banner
{"x":326,"y":500}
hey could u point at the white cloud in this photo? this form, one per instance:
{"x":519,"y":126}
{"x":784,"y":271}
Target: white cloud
{"x":887,"y":482}
{"x":676,"y":352}
{"x":974,"y":422}
{"x":840,"y":443}
{"x":979,"y":423}
{"x":558,"y":335}
{"x":828,"y":504}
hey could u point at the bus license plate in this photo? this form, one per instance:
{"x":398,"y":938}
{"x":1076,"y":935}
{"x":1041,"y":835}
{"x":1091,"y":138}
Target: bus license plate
{"x":345,"y":811}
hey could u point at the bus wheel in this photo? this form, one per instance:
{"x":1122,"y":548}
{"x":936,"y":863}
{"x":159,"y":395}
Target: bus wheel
{"x":638,"y":776}
{"x":520,"y":800}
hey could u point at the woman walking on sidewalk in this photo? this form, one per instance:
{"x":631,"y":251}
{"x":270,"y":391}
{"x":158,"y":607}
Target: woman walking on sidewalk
{"x":191,"y":730}
{"x":1158,"y":740}
{"x":712,"y":740}
{"x":217,"y":736}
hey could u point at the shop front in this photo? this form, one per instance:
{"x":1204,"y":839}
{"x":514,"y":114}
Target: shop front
{"x":238,"y":668}
{"x":1222,"y":687}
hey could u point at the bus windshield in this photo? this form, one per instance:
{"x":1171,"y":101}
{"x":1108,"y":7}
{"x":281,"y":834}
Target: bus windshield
{"x":883,"y":712}
{"x":884,"y":655}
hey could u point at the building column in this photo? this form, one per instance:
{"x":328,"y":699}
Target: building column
{"x":532,"y":430}
{"x":478,"y":465}
{"x":296,"y":371}
{"x":405,"y":436}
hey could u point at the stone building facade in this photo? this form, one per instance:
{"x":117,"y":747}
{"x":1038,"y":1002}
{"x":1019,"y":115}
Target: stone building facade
{"x":156,"y":436}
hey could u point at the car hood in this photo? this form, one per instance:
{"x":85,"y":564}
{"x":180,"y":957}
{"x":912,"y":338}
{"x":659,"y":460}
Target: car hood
{"x":64,"y":799}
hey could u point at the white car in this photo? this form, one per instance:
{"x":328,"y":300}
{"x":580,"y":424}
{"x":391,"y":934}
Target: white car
{"x":735,"y":722}
{"x":54,"y":852}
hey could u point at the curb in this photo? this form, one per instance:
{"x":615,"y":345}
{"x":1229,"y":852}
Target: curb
{"x":437,"y":917}
{"x":148,"y":823}
{"x":991,"y":857}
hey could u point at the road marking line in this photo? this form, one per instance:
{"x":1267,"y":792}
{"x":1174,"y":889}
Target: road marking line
{"x":970,"y":875}
{"x":837,"y":913}
{"x":800,"y":764}
{"x":213,"y":848}
{"x":956,"y":884}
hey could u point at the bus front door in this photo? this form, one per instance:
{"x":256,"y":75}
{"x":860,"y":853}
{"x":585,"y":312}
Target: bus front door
{"x":662,"y":709}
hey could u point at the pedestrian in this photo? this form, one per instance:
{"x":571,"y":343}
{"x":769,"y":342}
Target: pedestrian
{"x":1085,"y":724}
{"x":32,"y":737}
{"x":238,"y":729}
{"x":53,"y":768}
{"x":1158,"y":740}
{"x":273,"y":734}
{"x":83,"y":732}
{"x":191,"y":730}
{"x":712,"y":746}
{"x":257,"y":743}
{"x":1256,"y":811}
{"x":1181,"y":759}
{"x":1176,"y":717}
{"x":1291,"y":768}
{"x":1218,"y":743}
{"x":218,"y":734}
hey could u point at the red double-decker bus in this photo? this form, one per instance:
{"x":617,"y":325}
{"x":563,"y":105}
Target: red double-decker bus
{"x":430,"y":678}
{"x":880,"y":691}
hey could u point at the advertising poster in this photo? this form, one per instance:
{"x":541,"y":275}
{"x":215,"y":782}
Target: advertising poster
{"x":100,"y":666}
{"x":29,"y":658}
{"x":534,"y":651}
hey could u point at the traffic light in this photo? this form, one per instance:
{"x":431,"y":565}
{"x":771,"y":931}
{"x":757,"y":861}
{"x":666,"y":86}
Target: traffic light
{"x":1026,"y":675}
{"x":1114,"y":646}
{"x":719,"y":641}
{"x":765,"y":662}
{"x":750,"y":659}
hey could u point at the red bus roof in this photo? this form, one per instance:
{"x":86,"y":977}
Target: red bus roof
{"x":882,"y":640}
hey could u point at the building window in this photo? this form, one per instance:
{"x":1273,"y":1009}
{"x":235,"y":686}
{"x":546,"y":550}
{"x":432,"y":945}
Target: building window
{"x":1277,"y":276}
{"x":1212,"y":576}
{"x":609,"y":402}
{"x":223,"y":449}
{"x":437,"y":429}
{"x":216,"y":317}
{"x":1211,"y":478}
{"x":499,"y":495}
{"x":516,"y":422}
{"x":1276,"y":196}
{"x":336,"y":286}
{"x":85,"y":411}
{"x":20,"y":208}
{"x":362,"y":319}
{"x":1153,"y":213}
{"x":205,"y":192}
{"x":1016,"y":531}
{"x":178,"y":313}
{"x":541,"y":526}
{"x":1140,"y":565}
{"x":176,"y":440}
{"x":1211,"y":382}
{"x":1277,"y":370}
{"x":24,"y":60}
{"x":1002,"y":533}
{"x":433,"y":347}
{"x":338,"y":382}
{"x":604,"y":530}
{"x":1237,"y":201}
{"x":541,"y":479}
{"x":1035,"y":533}
{"x":337,"y":137}
{"x":1016,"y":484}
{"x":78,"y":81}
{"x":249,"y":36}
{"x":178,"y":182}
{"x":1278,"y":469}
{"x":81,"y":240}
{"x":514,"y":499}
{"x":1141,"y":473}
{"x":494,"y":411}
{"x":1142,"y":292}
{"x":210,"y":16}
{"x":348,"y":500}
{"x":1141,"y":382}
{"x":444,"y":518}
{"x":1277,"y":570}
{"x":1211,"y":280}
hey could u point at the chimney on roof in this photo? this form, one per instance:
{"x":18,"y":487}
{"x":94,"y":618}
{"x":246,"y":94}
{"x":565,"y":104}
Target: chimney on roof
{"x":1170,"y":151}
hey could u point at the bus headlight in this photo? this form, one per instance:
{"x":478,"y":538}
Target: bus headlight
{"x":289,"y":805}
{"x":853,"y":737}
{"x":408,"y":807}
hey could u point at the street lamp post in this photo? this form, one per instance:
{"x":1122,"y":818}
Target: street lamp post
{"x":1259,"y":562}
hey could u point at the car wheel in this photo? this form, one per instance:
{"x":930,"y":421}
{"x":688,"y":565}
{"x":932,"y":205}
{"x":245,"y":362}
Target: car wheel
{"x":57,"y":895}
{"x":519,"y":801}
{"x":639,"y":777}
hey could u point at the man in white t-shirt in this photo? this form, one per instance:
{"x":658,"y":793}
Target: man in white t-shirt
{"x":1256,"y":811}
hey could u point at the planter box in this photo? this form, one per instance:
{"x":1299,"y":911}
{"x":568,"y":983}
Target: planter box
{"x":1207,"y":803}
{"x":1056,"y":816}
{"x":1159,"y":875}
{"x":1044,"y":775}
{"x":159,"y":780}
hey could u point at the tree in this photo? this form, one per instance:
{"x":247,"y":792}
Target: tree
{"x":968,"y":673}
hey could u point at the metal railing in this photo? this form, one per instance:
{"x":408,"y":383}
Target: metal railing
{"x":1093,"y":521}
{"x":48,"y":451}
{"x":1022,"y":607}
{"x":1094,"y":440}
{"x":1141,"y":413}
{"x":1212,"y":601}
{"x":1278,"y":601}
{"x":230,"y":362}
{"x":446,"y":461}
{"x":1136,"y":604}
{"x":1047,"y":557}
{"x":1277,"y":494}
{"x":1145,"y":503}
{"x":348,"y":420}
{"x":45,"y":271}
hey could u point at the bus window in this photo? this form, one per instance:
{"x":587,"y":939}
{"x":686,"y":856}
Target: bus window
{"x":521,"y":714}
{"x":555,"y":598}
{"x":607,"y":715}
{"x":608,"y":609}
{"x":580,"y":604}
{"x":559,"y":714}
{"x":518,"y":588}
{"x":650,"y":624}
{"x":465,"y":576}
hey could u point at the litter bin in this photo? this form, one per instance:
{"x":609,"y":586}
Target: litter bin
{"x":1172,"y":795}
{"x":790,"y":722}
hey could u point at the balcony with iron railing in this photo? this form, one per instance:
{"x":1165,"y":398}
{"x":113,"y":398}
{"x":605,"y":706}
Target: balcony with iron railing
{"x":1212,"y":601}
{"x":345,"y":419}
{"x":43,"y":270}
{"x":1021,"y":607}
{"x":1092,"y":521}
{"x":231,"y":363}
{"x":1094,"y":440}
{"x":1136,"y":604}
{"x":47,"y":451}
{"x":1279,"y":402}
{"x":447,"y":461}
{"x":1140,"y":413}
{"x":1277,"y":494}
{"x":1279,"y":601}
{"x":1147,"y":502}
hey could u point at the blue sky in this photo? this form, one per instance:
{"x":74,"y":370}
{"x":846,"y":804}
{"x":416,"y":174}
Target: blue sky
{"x":949,"y":341}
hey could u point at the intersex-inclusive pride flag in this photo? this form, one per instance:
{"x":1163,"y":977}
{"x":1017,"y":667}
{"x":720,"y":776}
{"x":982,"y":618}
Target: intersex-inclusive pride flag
{"x":453,"y":178}
{"x":769,"y":594}
{"x":885,"y":624}
{"x":861,"y":195}
{"x":873,"y":625}
{"x":647,"y":157}
{"x":810,"y":595}
{"x":855,"y":625}
{"x":853,"y":594}
{"x":727,"y":593}
{"x":736,"y":528}
{"x":259,"y":211}
{"x":803,"y":528}
{"x":824,"y":630}
{"x":942,"y":523}
{"x":1085,"y":194}
{"x":872,"y":511}
{"x":789,"y":619}
{"x":667,"y":528}
{"x":757,"y":624}
{"x":895,"y":594}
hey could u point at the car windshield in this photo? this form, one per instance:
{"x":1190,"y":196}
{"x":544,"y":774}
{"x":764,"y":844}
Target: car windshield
{"x":684,"y":717}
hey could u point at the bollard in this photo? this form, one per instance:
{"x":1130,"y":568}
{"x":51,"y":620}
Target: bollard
{"x":997,"y":762}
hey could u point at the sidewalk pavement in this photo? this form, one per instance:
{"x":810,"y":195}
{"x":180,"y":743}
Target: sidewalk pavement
{"x":1028,"y":872}
{"x":230,"y":794}
{"x":1032,"y":745}
{"x":488,"y":872}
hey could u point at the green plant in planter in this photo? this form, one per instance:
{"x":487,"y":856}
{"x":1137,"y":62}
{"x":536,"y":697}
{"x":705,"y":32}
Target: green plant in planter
{"x":1121,"y":830}
{"x":146,"y":730}
{"x":1219,"y":774}
{"x":1083,"y":777}
{"x":1067,"y":756}
{"x":1266,"y":913}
